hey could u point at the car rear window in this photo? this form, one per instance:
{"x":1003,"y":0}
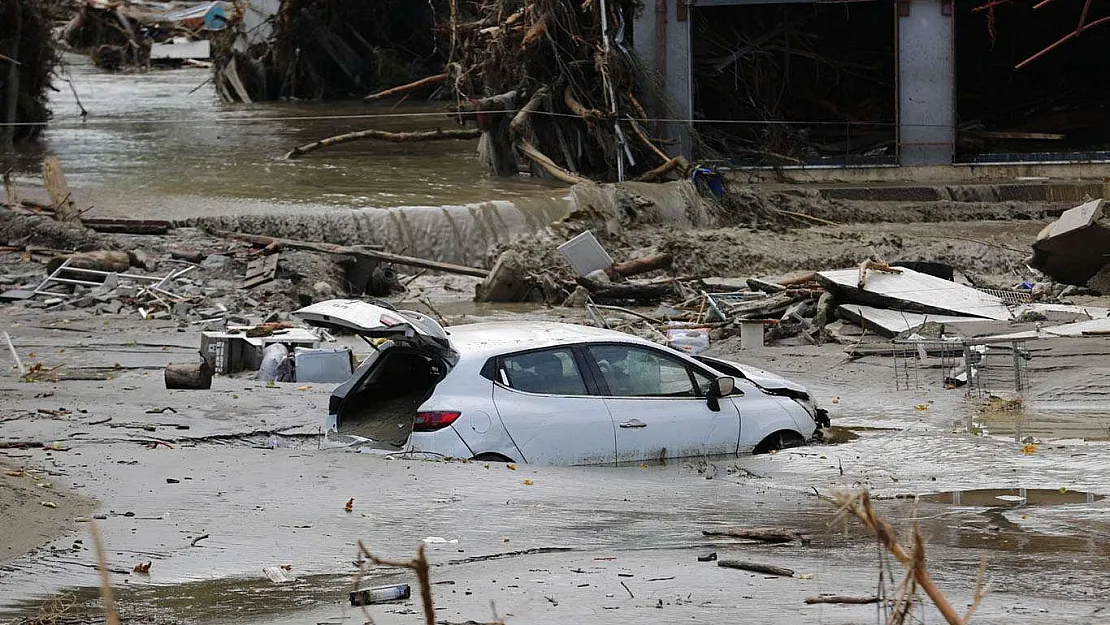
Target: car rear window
{"x":550,"y":372}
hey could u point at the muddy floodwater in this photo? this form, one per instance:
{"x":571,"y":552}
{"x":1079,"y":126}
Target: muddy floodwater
{"x":213,"y":487}
{"x":243,"y":481}
{"x":164,"y":137}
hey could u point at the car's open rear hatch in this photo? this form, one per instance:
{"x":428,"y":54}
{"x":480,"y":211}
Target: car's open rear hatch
{"x":381,"y":398}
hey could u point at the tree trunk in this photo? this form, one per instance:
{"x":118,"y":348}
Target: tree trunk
{"x":643,"y":265}
{"x":190,"y":375}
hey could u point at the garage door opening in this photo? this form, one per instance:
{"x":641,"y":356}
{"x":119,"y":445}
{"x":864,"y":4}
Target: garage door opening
{"x":796,"y":84}
{"x":1055,"y":106}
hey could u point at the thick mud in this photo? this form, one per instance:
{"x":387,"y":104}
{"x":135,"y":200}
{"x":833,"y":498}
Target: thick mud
{"x":246,"y":466}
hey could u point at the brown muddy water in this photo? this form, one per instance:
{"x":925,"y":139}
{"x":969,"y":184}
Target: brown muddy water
{"x":162,"y":142}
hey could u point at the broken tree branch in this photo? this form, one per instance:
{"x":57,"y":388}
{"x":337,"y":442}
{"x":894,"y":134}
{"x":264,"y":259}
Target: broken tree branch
{"x":331,"y":248}
{"x":383,"y":135}
{"x":436,"y":79}
{"x":859,"y":506}
{"x":756,"y":567}
{"x":842,"y":599}
{"x":763,"y":534}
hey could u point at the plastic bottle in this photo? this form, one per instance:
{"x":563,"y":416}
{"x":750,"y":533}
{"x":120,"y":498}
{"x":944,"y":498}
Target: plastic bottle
{"x":381,"y":594}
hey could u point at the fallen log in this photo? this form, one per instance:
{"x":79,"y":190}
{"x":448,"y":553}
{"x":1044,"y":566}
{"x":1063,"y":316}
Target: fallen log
{"x":547,"y":164}
{"x":642,"y":293}
{"x":102,"y":260}
{"x":842,"y":599}
{"x":189,"y":375}
{"x":642,"y":265}
{"x":762,"y":534}
{"x":383,"y":135}
{"x":436,"y":79}
{"x":756,"y":567}
{"x":331,"y":248}
{"x":129,"y":226}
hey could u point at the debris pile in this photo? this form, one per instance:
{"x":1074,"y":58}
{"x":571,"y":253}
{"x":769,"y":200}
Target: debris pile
{"x":551,"y":86}
{"x":1075,"y":249}
{"x":127,"y":35}
{"x":27,"y":59}
{"x":334,"y":49}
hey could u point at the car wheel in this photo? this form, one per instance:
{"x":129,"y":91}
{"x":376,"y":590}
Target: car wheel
{"x":783,"y":439}
{"x":491,"y":457}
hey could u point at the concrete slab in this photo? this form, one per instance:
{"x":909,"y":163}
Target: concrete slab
{"x":914,"y":292}
{"x":1083,"y":328}
{"x":891,"y":323}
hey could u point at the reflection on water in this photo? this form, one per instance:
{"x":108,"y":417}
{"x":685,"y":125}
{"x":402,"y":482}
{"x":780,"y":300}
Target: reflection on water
{"x":1011,"y":497}
{"x":165,"y":133}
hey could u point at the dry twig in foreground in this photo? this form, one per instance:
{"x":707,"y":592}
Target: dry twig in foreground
{"x":859,"y":505}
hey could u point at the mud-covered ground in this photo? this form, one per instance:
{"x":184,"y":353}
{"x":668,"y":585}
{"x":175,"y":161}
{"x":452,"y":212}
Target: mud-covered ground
{"x":244,"y":465}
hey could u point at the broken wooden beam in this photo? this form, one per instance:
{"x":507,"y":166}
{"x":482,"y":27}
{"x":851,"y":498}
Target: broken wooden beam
{"x":842,"y":599}
{"x":65,"y":209}
{"x":331,"y":248}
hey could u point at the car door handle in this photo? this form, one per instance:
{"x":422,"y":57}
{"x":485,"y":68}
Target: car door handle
{"x":634,"y":423}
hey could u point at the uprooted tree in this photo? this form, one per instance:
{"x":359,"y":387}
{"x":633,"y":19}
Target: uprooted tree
{"x":27,"y":58}
{"x":552,"y":85}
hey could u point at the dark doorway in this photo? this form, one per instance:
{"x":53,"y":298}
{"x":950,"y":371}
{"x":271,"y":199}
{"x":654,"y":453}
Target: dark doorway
{"x":1053,"y":108}
{"x":798,"y":83}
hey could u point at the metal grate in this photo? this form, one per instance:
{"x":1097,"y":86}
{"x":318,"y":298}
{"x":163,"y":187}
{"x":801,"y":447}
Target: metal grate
{"x":918,"y":363}
{"x":1009,"y":297}
{"x":999,"y":366}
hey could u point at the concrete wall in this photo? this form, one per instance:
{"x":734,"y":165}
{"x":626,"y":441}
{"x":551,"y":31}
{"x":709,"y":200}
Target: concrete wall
{"x":677,"y":81}
{"x":927,"y":84}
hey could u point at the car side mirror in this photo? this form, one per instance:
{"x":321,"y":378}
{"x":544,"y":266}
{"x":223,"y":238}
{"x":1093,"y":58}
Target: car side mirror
{"x":724,"y":386}
{"x":721,"y":387}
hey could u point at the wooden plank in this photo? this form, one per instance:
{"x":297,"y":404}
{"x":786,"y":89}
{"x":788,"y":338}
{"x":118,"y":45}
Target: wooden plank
{"x":260,"y":271}
{"x":915,"y":292}
{"x":330,"y":248}
{"x":60,"y":196}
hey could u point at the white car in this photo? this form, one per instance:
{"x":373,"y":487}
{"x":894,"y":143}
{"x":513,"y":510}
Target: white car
{"x":551,"y":393}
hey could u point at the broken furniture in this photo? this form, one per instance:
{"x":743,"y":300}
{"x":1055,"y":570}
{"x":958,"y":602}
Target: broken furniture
{"x":234,"y":350}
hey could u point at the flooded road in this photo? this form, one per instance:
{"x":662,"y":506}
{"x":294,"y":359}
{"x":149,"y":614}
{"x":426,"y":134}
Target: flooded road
{"x":248,"y":470}
{"x":163,"y":138}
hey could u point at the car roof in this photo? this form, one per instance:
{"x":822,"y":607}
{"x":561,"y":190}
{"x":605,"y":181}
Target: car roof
{"x":477,"y":340}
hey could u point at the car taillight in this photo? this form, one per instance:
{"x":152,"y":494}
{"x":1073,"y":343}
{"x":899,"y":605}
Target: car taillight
{"x":434,"y":420}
